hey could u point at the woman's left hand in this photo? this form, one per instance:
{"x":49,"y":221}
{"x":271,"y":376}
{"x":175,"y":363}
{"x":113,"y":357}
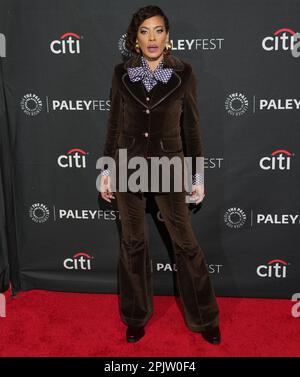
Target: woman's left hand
{"x":198,"y":191}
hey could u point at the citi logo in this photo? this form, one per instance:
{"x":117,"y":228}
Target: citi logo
{"x":79,"y":261}
{"x":282,"y":39}
{"x":279,"y":160}
{"x":75,"y":158}
{"x":68,"y":43}
{"x":276,"y":268}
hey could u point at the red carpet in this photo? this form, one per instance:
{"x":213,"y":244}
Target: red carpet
{"x":46,"y":323}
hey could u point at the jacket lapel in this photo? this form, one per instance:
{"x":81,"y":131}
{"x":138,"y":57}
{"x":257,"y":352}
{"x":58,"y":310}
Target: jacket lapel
{"x":161,"y":91}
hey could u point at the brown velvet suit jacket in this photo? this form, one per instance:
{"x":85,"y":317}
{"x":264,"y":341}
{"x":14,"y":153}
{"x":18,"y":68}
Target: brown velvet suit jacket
{"x":165,"y":125}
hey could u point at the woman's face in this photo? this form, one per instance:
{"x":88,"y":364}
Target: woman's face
{"x":152,"y":32}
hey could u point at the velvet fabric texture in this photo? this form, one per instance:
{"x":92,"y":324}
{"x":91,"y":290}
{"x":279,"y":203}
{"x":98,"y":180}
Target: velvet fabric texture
{"x":135,"y":278}
{"x":162,"y":122}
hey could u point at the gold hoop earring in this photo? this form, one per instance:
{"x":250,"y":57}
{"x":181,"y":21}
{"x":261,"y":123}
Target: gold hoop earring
{"x":168,"y":47}
{"x":137,"y":47}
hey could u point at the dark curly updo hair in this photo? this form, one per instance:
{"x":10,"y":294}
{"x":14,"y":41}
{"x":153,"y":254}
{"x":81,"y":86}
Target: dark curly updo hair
{"x":137,"y":19}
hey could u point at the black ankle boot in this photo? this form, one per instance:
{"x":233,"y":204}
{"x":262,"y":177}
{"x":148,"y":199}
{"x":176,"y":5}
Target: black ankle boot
{"x":212,"y":335}
{"x":134,"y":333}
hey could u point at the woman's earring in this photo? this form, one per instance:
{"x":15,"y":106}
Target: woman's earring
{"x":168,"y":46}
{"x":137,"y":47}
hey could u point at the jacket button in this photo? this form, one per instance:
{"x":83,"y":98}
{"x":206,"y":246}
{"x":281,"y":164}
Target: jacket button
{"x":147,"y":111}
{"x":146,"y":134}
{"x":147,"y":99}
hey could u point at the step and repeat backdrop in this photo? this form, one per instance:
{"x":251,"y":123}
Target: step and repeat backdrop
{"x":57,"y":60}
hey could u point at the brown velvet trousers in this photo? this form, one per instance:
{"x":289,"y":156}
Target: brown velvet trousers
{"x":135,"y":278}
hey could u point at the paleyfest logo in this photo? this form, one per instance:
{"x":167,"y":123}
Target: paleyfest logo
{"x":235,"y":217}
{"x":236,"y":104}
{"x":39,"y":213}
{"x":31,"y":104}
{"x":121,"y":45}
{"x":192,"y":44}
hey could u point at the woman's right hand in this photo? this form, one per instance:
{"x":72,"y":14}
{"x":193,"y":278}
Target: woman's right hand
{"x":105,"y":191}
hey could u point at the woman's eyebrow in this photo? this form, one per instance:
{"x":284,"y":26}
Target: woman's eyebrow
{"x":153,"y":28}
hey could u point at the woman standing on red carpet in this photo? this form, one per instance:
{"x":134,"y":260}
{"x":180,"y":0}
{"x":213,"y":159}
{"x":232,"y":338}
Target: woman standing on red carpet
{"x":154,"y":113}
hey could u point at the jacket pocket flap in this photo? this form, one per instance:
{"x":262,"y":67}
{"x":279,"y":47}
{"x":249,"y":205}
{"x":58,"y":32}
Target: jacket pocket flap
{"x":171,"y":144}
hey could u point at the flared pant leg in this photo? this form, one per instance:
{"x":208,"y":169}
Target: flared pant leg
{"x":196,"y":291}
{"x":135,"y":278}
{"x":134,"y":266}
